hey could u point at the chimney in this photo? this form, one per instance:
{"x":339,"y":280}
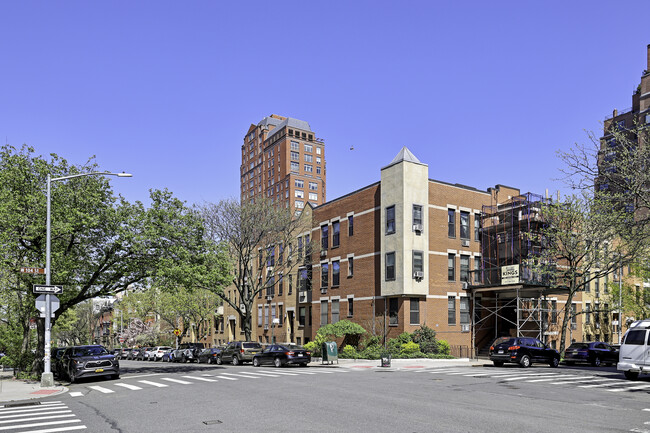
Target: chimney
{"x":648,"y":69}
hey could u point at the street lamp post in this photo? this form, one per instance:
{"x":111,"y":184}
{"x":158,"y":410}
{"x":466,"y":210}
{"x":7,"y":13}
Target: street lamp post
{"x":620,"y":298}
{"x":47,"y":379}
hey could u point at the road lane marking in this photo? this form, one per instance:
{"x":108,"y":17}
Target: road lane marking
{"x":226,"y":377}
{"x":617,"y":382}
{"x":128,"y":386}
{"x":76,"y":394}
{"x":577,"y":380}
{"x":241,"y":375}
{"x":264,"y":374}
{"x":141,"y":375}
{"x":630,"y":388}
{"x":284,"y":373}
{"x":101,"y":389}
{"x":159,"y":385}
{"x":58,"y":429}
{"x":32,"y":418}
{"x":182,"y":382}
{"x":32,"y":414}
{"x":40,"y":424}
{"x":528,"y":376}
{"x":37,"y":409}
{"x":205,"y":379}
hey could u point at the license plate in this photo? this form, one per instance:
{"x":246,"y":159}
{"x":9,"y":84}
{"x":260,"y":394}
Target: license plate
{"x":99,"y":370}
{"x":500,"y":351}
{"x":300,"y":354}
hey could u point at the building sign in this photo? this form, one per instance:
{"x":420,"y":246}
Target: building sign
{"x":510,"y":274}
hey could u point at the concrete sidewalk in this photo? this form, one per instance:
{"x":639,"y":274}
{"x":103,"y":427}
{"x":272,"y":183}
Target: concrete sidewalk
{"x":12,"y":390}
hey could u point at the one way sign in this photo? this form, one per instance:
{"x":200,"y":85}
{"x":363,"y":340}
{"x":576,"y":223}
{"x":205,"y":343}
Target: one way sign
{"x":55,"y":290}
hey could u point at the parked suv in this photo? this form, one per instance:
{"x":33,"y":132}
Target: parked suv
{"x":239,"y":352}
{"x":187,"y":352}
{"x":632,"y":358}
{"x":594,"y":353}
{"x":523,"y":351}
{"x":92,"y":360}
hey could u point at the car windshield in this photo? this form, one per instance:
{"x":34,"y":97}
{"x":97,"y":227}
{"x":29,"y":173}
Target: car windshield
{"x":505,"y":340}
{"x":579,"y":346}
{"x":251,"y":345}
{"x":89,"y":351}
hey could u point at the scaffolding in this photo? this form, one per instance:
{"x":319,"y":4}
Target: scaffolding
{"x":509,"y":296}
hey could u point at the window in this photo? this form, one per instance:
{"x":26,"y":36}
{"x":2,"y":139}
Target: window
{"x":587,"y":313}
{"x":318,"y":160}
{"x":299,"y":183}
{"x":464,"y":268}
{"x":309,"y":168}
{"x":323,"y":313}
{"x":574,"y":324}
{"x":270,"y":257}
{"x":451,"y":223}
{"x":259,"y":315}
{"x":313,"y":186}
{"x":335,"y":310}
{"x":390,"y":266}
{"x":299,"y":204}
{"x":324,"y":237}
{"x":596,"y":287}
{"x":477,"y":269}
{"x":280,"y":284}
{"x":309,"y":158}
{"x":318,"y":151}
{"x":392,"y":312}
{"x":308,"y":148}
{"x":295,"y":146}
{"x":418,"y":262}
{"x":335,"y":234}
{"x":415,"y":311}
{"x":350,"y":225}
{"x":451,"y":310}
{"x":324,"y":275}
{"x":350,"y":307}
{"x":299,"y":194}
{"x":417,"y":214}
{"x":464,"y":225}
{"x":313,"y":196}
{"x":295,"y":166}
{"x":272,"y":313}
{"x":301,"y":316}
{"x":464,"y":310}
{"x":266,"y":316}
{"x":280,"y":315}
{"x":295,"y":156}
{"x":451,"y":267}
{"x":290,"y":284}
{"x":554,"y":312}
{"x":350,"y":266}
{"x":336,"y":272}
{"x":390,"y":220}
{"x":317,"y":170}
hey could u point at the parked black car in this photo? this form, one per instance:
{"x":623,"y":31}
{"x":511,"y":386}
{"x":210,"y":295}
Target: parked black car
{"x":55,"y":361}
{"x":523,"y":351}
{"x":92,"y":360}
{"x":279,"y":355}
{"x":187,"y":352}
{"x":210,"y":355}
{"x":593,"y":352}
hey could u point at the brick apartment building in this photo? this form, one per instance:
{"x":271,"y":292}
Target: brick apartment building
{"x":283,"y":161}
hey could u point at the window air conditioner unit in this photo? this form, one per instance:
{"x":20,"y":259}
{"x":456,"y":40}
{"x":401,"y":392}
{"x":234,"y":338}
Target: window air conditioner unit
{"x":269,"y":297}
{"x":464,"y":328}
{"x":302,"y":297}
{"x":266,"y":327}
{"x":417,"y":228}
{"x":418,"y":274}
{"x":465,"y":242}
{"x":323,"y":253}
{"x":323,"y":290}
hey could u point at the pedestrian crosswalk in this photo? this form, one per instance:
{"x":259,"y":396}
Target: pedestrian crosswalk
{"x":557,"y":377}
{"x":41,"y":417}
{"x":137,"y":383}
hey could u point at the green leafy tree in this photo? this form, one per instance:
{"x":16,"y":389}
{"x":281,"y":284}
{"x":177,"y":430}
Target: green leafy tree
{"x":101,"y":244}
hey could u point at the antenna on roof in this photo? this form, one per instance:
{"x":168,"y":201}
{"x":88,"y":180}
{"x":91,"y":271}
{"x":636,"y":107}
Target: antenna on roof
{"x":352,"y":147}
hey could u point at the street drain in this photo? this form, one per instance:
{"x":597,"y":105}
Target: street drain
{"x":35,"y":403}
{"x":214,"y":421}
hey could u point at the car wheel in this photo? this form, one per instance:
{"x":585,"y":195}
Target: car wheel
{"x":596,"y":362}
{"x":235,"y":360}
{"x":525,"y":361}
{"x":631,"y":375}
{"x":277,"y":362}
{"x":554,"y":362}
{"x":115,"y":376}
{"x":498,"y":363}
{"x":183,"y":359}
{"x":219,"y":361}
{"x":256,"y":362}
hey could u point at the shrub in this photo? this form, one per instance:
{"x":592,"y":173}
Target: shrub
{"x":314,"y":348}
{"x":443,"y":347}
{"x":349,"y":351}
{"x":426,"y":338}
{"x":409,"y":349}
{"x":395,"y":344}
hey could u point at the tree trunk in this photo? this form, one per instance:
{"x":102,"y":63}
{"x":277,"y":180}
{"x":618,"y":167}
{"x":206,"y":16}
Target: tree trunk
{"x":566,"y":319}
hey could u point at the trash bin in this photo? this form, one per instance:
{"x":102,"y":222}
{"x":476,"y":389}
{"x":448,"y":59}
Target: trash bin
{"x":330,"y":352}
{"x":385,"y":359}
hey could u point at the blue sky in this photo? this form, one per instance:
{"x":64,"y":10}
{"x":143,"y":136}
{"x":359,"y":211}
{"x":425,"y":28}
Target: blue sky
{"x":483,"y":92}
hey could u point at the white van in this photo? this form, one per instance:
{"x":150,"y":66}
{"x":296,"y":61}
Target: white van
{"x":634,"y":354}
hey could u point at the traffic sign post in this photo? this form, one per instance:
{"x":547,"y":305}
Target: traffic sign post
{"x":41,"y":304}
{"x":47,"y":289}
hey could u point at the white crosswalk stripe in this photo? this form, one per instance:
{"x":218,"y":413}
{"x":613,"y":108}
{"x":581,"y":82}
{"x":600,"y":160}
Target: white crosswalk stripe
{"x":128,"y":386}
{"x":202,"y":379}
{"x":226,"y":377}
{"x":182,"y":382}
{"x":53,"y":416}
{"x":263,"y":374}
{"x":156,"y":384}
{"x":630,"y":388}
{"x":101,"y":389}
{"x":241,"y":375}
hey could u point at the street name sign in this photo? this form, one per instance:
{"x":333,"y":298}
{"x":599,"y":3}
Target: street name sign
{"x":32,"y":271}
{"x":53,"y":290}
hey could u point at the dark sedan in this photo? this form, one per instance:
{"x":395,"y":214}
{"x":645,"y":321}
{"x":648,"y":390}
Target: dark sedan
{"x":92,"y":360}
{"x":594,"y":353}
{"x":523,"y":351}
{"x":279,"y":355}
{"x":210,"y":355}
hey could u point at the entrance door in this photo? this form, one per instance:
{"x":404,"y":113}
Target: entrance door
{"x":290,"y":326}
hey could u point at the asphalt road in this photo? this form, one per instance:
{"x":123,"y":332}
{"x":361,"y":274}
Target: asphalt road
{"x":153,"y":397}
